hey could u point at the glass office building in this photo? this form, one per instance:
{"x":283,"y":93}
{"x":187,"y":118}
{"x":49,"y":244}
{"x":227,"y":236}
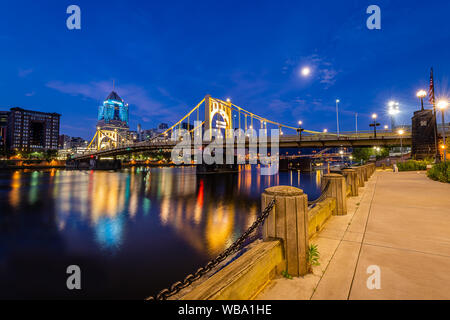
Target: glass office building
{"x":113,"y":113}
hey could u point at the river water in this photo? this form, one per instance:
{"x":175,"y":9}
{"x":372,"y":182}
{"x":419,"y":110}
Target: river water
{"x":131,"y":232}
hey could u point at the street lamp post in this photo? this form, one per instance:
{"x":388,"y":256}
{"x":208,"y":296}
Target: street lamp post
{"x":401,"y":132}
{"x":374,"y":124}
{"x":299,"y":130}
{"x":443,"y":104}
{"x":337,"y":116}
{"x":421,"y":94}
{"x":393,"y":111}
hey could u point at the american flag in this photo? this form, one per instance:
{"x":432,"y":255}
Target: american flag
{"x":431,"y":91}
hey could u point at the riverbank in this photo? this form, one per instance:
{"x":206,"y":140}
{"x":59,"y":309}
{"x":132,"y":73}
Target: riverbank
{"x":32,"y":164}
{"x":61,"y":164}
{"x":399,"y":223}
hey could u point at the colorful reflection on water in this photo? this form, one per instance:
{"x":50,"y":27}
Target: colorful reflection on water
{"x":132,"y":232}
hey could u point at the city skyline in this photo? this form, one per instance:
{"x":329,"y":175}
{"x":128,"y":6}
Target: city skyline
{"x":224,"y":156}
{"x":167,"y":58}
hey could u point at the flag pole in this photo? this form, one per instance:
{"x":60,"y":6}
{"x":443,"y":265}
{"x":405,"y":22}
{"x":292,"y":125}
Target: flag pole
{"x":433,"y":102}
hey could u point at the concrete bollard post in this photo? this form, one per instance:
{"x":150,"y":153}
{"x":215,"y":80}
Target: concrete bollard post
{"x":365,"y":173}
{"x":352,"y":179}
{"x":337,"y":190}
{"x":359,"y":176}
{"x":288,"y":221}
{"x":363,"y":179}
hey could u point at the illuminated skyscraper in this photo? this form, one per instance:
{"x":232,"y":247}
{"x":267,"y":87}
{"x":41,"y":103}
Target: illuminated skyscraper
{"x":113,"y":113}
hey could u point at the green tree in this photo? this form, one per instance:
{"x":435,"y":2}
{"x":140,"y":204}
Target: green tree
{"x":383,"y":153}
{"x":51,"y":154}
{"x":362,"y":154}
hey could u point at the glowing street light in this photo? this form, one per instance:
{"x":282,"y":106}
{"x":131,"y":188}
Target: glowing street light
{"x":300,"y":129}
{"x":442,"y":105}
{"x":421,"y":94}
{"x":393,"y":111}
{"x":341,"y":153}
{"x":325,"y":130}
{"x":375,"y":124}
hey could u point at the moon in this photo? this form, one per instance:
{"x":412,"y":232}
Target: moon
{"x":305,"y":71}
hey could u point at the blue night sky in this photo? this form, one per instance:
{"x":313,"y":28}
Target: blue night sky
{"x":165,"y":56}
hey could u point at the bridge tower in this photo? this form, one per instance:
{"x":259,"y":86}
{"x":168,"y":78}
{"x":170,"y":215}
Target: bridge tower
{"x":107,"y":137}
{"x":104,"y":139}
{"x":215,"y":107}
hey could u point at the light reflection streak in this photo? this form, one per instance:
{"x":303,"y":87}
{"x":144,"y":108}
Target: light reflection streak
{"x":318,"y":178}
{"x":199,"y":204}
{"x":34,"y":184}
{"x":204,"y":211}
{"x":14,"y":195}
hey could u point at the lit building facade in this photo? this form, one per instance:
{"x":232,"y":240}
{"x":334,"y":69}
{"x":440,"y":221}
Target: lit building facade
{"x":4,"y":115}
{"x":163,"y":126}
{"x":32,"y":130}
{"x":113,"y":114}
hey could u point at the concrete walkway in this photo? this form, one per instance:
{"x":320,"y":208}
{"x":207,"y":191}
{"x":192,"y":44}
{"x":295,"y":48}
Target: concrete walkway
{"x":400,"y":223}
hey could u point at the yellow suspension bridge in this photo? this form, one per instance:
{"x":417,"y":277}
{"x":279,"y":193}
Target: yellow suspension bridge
{"x":227,"y":115}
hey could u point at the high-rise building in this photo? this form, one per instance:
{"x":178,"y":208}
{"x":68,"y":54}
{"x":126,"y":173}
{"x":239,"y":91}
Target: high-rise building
{"x":163,"y":126}
{"x":32,"y":130}
{"x":64,"y":141}
{"x":113,"y":113}
{"x":4,"y":115}
{"x":150,"y":133}
{"x":186,"y":126}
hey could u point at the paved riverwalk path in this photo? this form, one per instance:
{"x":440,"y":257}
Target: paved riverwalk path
{"x":400,"y":223}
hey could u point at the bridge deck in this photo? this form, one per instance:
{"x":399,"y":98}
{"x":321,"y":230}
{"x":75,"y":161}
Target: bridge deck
{"x":363,"y":139}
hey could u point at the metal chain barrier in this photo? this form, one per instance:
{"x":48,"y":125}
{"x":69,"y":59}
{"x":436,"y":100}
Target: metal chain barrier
{"x":178,"y":286}
{"x":322,"y":196}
